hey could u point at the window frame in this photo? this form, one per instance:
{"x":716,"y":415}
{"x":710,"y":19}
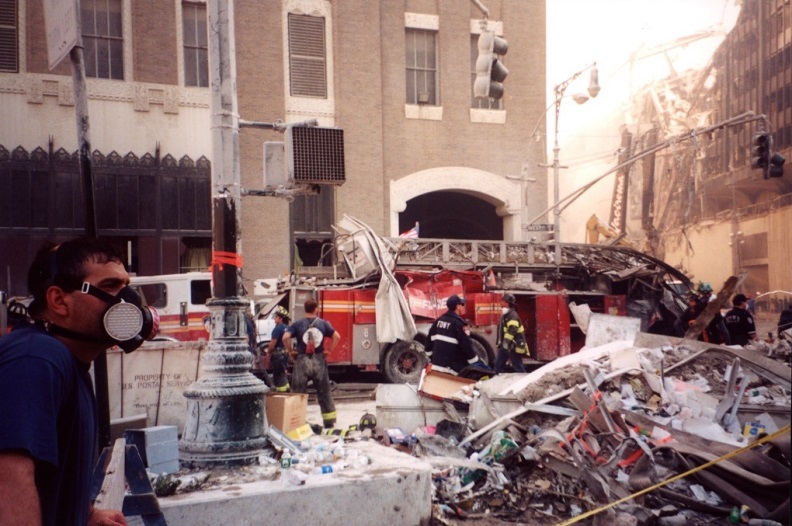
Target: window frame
{"x":414,"y":69}
{"x":194,"y":61}
{"x":107,"y":35}
{"x":310,"y":221}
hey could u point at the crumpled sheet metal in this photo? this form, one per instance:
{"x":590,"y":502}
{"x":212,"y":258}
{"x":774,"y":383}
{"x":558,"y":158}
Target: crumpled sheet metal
{"x":767,"y":368}
{"x":568,"y":455}
{"x":763,"y":487}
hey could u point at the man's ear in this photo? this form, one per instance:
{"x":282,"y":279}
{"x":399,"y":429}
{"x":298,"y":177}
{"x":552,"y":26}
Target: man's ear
{"x":56,"y":301}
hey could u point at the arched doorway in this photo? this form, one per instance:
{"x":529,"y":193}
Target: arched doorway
{"x":452,"y":215}
{"x":456,"y":202}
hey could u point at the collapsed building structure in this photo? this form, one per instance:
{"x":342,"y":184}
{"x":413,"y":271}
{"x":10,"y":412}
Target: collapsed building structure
{"x":697,"y":203}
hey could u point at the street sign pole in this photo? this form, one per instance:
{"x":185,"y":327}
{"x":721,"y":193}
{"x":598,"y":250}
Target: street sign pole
{"x":64,"y":39}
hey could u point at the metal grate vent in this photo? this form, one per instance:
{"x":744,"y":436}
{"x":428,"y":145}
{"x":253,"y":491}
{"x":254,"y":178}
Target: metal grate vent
{"x":315,"y":155}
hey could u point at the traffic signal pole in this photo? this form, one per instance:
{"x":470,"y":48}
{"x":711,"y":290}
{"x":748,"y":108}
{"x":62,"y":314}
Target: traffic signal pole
{"x":564,"y":202}
{"x":226,"y":414}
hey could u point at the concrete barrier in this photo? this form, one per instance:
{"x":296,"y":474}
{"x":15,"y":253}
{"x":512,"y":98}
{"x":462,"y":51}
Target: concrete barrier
{"x":395,"y":490}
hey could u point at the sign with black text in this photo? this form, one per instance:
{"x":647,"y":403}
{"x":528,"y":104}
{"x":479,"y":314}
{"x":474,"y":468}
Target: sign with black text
{"x":540,"y":227}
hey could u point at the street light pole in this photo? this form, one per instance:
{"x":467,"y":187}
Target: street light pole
{"x":557,"y":186}
{"x":226,"y":415}
{"x":559,"y":91}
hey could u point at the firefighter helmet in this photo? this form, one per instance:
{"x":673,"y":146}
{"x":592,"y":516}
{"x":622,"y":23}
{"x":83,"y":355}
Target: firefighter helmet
{"x":704,"y":286}
{"x":281,"y":311}
{"x":510,"y":299}
{"x":368,"y":421}
{"x":16,"y":309}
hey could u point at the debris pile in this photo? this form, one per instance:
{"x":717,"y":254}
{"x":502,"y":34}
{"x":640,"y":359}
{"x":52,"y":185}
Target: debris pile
{"x":646,"y":432}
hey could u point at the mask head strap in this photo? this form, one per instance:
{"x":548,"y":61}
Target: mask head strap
{"x":87,"y":288}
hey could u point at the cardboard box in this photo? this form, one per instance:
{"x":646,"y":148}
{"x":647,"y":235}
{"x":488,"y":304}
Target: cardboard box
{"x":439,"y":385}
{"x":286,"y":411}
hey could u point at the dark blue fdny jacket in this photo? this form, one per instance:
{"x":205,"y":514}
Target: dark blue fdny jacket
{"x":449,"y":345}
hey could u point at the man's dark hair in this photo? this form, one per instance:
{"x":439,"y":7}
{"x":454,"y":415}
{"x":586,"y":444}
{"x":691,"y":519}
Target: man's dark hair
{"x":310,"y":306}
{"x":63,"y":265}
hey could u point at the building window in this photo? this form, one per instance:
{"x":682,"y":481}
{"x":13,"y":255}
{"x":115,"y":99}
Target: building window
{"x":307,"y":56}
{"x":311,"y":217}
{"x":9,"y":36}
{"x":482,"y":104}
{"x":196,"y":47}
{"x":421,"y":63}
{"x":103,"y":38}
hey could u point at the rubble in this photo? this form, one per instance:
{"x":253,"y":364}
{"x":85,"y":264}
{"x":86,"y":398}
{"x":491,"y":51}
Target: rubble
{"x":657,"y":430}
{"x":650,"y":431}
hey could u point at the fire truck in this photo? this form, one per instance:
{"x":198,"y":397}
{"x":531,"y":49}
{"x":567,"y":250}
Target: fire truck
{"x":387,"y":332}
{"x":608,"y":279}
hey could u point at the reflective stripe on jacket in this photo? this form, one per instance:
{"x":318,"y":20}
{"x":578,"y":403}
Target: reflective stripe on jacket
{"x":511,"y":333}
{"x":449,"y":344}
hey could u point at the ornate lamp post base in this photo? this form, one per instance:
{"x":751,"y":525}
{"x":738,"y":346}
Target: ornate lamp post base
{"x":226,"y":419}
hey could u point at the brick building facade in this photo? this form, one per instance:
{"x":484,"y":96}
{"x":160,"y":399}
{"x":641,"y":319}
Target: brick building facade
{"x":397,"y":78}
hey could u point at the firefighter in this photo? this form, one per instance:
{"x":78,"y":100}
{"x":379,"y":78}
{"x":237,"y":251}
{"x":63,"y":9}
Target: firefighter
{"x":739,"y":322}
{"x":511,"y":337}
{"x":705,"y":292}
{"x":449,"y":346}
{"x":278,"y":355}
{"x":714,"y":332}
{"x":310,"y":363}
{"x":17,"y":315}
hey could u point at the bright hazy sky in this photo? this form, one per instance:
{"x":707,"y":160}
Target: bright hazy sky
{"x":580,"y":32}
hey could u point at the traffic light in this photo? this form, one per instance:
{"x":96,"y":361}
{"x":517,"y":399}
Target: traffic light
{"x":760,"y":152}
{"x":776,"y":168}
{"x":490,"y":71}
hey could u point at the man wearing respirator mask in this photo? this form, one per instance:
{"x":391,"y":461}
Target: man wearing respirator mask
{"x":82,"y":305}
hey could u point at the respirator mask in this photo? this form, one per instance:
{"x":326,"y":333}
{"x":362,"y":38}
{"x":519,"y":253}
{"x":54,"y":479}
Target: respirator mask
{"x":127,"y":323}
{"x":504,"y":310}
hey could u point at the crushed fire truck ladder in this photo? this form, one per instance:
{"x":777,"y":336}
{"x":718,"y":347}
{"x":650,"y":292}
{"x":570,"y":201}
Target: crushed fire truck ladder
{"x":526,"y":256}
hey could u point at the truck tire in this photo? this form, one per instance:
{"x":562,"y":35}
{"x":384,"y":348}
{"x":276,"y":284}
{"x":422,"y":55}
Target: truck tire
{"x":404,"y":362}
{"x":483,"y":351}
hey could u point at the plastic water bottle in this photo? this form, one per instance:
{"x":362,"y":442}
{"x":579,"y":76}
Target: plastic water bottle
{"x":321,"y":470}
{"x":286,"y":459}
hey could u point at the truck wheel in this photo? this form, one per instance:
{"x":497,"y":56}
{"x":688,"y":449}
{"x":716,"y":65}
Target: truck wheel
{"x":404,"y":362}
{"x":483,"y":352}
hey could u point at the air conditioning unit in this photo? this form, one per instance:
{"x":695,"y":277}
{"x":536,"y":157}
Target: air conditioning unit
{"x":315,"y":155}
{"x":308,"y":156}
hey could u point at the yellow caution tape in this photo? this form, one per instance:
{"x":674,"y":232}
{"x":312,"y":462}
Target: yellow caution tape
{"x":727,"y":456}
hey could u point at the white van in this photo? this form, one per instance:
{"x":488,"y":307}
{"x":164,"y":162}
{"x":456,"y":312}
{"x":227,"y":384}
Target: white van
{"x":180,"y":300}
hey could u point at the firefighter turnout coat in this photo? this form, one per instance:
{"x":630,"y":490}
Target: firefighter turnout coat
{"x":449,"y":344}
{"x":511,"y":333}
